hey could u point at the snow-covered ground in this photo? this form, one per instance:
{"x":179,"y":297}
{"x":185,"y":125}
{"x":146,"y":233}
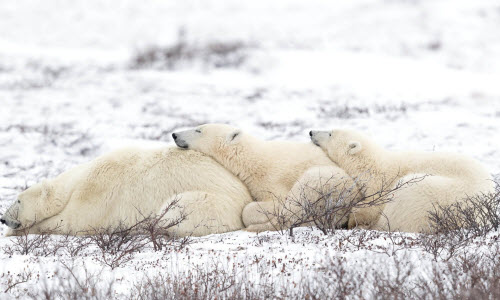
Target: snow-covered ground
{"x":419,"y":74}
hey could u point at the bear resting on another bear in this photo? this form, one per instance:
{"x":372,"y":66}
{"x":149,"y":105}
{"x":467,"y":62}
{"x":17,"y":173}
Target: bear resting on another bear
{"x":446,"y":178}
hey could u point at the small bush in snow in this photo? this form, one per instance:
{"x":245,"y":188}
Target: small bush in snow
{"x":212,"y":55}
{"x":456,"y":226}
{"x":332,"y":203}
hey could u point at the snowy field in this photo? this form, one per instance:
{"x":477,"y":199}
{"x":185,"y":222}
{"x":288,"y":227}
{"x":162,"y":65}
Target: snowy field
{"x":79,"y":78}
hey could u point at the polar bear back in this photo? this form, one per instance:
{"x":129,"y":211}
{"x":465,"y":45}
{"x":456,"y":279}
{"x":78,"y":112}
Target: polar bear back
{"x":441,"y":163}
{"x":283,"y":164}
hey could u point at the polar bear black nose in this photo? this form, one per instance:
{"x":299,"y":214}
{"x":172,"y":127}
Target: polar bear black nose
{"x":174,"y":136}
{"x":2,"y":220}
{"x":310,"y":133}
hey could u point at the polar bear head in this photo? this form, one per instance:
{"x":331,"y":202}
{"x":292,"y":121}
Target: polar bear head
{"x":211,"y":139}
{"x":228,"y":145}
{"x":347,"y":148}
{"x":32,"y":206}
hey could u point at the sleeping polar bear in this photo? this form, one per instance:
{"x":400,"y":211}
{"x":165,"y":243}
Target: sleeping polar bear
{"x":124,"y":186}
{"x":445,"y":178}
{"x":283,"y":177}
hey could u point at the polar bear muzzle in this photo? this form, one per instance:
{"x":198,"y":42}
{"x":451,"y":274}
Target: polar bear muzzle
{"x":187,"y":138}
{"x":179,"y":141}
{"x":9,"y":217}
{"x":319,"y":138}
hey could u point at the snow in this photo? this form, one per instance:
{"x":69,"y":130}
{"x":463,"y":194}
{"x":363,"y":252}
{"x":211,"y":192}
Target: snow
{"x":415,"y":74}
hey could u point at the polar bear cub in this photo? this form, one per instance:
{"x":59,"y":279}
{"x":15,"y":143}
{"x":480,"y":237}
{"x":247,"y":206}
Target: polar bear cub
{"x":124,"y":186}
{"x":270,"y":169}
{"x":444,"y":178}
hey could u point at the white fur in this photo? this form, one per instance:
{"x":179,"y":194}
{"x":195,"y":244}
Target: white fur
{"x":270,"y":169}
{"x":448,"y":178}
{"x":125,"y":185}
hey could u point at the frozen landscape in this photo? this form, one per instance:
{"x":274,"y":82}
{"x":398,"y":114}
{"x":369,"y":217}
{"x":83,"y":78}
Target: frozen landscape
{"x":79,"y":78}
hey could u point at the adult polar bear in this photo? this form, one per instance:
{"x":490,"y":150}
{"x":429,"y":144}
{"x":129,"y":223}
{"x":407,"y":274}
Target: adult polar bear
{"x":445,"y":179}
{"x":277,"y":173}
{"x":122,"y":187}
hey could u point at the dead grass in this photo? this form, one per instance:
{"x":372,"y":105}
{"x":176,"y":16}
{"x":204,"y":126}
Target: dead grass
{"x":214,"y":54}
{"x":461,"y":260}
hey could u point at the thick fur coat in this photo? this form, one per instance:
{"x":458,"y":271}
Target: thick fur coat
{"x":124,"y":186}
{"x":437,"y":179}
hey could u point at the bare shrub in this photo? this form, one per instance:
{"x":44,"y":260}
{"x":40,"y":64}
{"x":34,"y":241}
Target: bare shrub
{"x":156,"y":227}
{"x":456,"y":226}
{"x":474,"y":216}
{"x":214,"y":54}
{"x":39,"y":75}
{"x":464,"y":277}
{"x":343,"y":112}
{"x":467,"y":276}
{"x":72,"y":281}
{"x":117,"y":245}
{"x":192,"y":284}
{"x":392,"y":283}
{"x":45,"y":244}
{"x":442,"y":246}
{"x":284,"y":129}
{"x":39,"y":244}
{"x":346,"y":111}
{"x":215,"y":281}
{"x":329,"y":204}
{"x":333,"y":279}
{"x":10,"y":281}
{"x":63,"y":135}
{"x":71,"y":245}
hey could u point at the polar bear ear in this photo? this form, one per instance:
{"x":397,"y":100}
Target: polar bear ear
{"x":354,"y":147}
{"x":234,"y":137}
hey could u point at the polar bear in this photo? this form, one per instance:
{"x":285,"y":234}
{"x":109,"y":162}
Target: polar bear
{"x":124,"y":186}
{"x":441,"y":178}
{"x":270,"y":169}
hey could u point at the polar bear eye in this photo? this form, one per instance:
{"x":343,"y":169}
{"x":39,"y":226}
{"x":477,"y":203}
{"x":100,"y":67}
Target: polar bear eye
{"x":197,"y":130}
{"x":234,"y":135}
{"x":18,"y":201}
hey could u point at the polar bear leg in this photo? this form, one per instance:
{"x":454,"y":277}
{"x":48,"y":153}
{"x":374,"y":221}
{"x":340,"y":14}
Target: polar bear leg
{"x":320,"y":189}
{"x":316,"y":189}
{"x":365,"y":217}
{"x":409,"y":211}
{"x":9,"y":232}
{"x":206,"y":213}
{"x":258,"y":212}
{"x":261,"y":216}
{"x":268,"y":226}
